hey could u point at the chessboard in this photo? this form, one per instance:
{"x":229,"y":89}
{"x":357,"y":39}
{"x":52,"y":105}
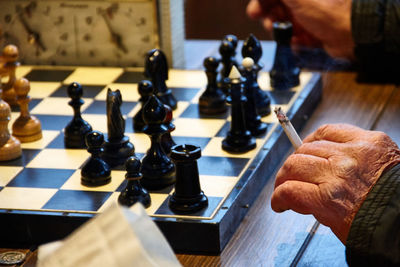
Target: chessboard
{"x":42,"y":199}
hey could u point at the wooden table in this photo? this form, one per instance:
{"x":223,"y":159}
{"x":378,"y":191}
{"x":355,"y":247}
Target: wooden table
{"x":266,"y":238}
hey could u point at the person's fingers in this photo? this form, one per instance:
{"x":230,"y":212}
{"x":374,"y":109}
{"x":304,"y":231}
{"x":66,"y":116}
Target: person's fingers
{"x":301,"y":167}
{"x":323,"y":149}
{"x":298,"y":196}
{"x":254,"y":10}
{"x":340,"y":133}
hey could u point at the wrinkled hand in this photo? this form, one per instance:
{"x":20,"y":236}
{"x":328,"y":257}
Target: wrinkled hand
{"x":330,"y":175}
{"x":315,"y":22}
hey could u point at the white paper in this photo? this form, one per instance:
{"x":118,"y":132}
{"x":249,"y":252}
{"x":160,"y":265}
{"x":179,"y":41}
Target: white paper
{"x":119,"y":237}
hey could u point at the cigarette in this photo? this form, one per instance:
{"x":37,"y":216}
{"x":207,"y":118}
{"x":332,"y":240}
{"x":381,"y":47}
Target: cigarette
{"x":288,"y":128}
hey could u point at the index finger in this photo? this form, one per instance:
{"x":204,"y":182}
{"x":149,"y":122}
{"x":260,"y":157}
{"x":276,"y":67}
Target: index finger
{"x":339,"y":133}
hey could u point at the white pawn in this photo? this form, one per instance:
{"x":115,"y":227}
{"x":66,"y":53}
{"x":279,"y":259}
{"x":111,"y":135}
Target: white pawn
{"x":10,"y":147}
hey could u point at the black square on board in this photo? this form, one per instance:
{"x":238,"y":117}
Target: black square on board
{"x":89,"y":91}
{"x":221,"y":166}
{"x":57,"y":142}
{"x":46,"y":75}
{"x":77,"y":200}
{"x":130,"y":77}
{"x":41,"y":178}
{"x":54,"y":122}
{"x":184,"y":94}
{"x":27,"y":156}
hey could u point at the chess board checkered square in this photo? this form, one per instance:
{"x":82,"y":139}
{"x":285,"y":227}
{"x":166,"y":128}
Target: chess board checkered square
{"x":25,"y":197}
{"x":131,"y":77}
{"x":53,"y":122}
{"x":75,"y":200}
{"x":184,"y":93}
{"x":42,"y":90}
{"x":41,"y":178}
{"x":53,"y":158}
{"x":57,"y":106}
{"x":8,"y":173}
{"x":48,"y":75}
{"x":89,"y":91}
{"x":197,"y":128}
{"x":27,"y":156}
{"x":217,"y":186}
{"x":47,"y":138}
{"x":57,"y":142}
{"x":221,"y":166}
{"x":93,"y":75}
{"x":183,"y":78}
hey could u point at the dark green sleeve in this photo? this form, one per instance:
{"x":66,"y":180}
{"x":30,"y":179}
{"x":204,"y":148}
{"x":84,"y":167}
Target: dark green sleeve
{"x":374,"y":237}
{"x":376,"y":33}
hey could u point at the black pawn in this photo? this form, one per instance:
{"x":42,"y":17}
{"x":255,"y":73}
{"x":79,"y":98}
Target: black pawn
{"x":188,"y":196}
{"x":134,"y":192}
{"x":156,"y":68}
{"x":166,"y":139}
{"x":212,"y":101}
{"x":252,"y":48}
{"x":227,"y":52}
{"x":284,"y":73}
{"x":95,"y":171}
{"x":117,"y":148}
{"x":157,"y":168}
{"x":239,"y":139}
{"x":76,"y":130}
{"x":145,"y":89}
{"x":253,"y":120}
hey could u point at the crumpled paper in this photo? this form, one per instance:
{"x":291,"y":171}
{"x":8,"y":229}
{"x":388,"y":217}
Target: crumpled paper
{"x":118,"y":237}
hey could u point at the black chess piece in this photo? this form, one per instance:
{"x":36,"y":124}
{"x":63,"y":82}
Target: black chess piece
{"x":156,"y":68}
{"x":157,"y":168}
{"x":166,"y":139}
{"x":285,"y":72}
{"x":117,"y":148}
{"x":227,"y":52}
{"x":76,"y":130}
{"x":95,"y":171}
{"x":145,"y":89}
{"x":188,"y":196}
{"x":212,"y":101}
{"x":253,"y":120}
{"x":238,"y":139}
{"x":252,"y":48}
{"x":134,"y":191}
{"x":234,"y":41}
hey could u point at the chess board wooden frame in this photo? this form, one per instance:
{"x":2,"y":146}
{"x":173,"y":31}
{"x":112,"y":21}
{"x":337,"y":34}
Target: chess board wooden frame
{"x":204,"y":234}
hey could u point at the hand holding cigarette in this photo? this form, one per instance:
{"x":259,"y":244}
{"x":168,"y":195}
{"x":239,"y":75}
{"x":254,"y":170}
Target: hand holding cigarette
{"x":330,"y":174}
